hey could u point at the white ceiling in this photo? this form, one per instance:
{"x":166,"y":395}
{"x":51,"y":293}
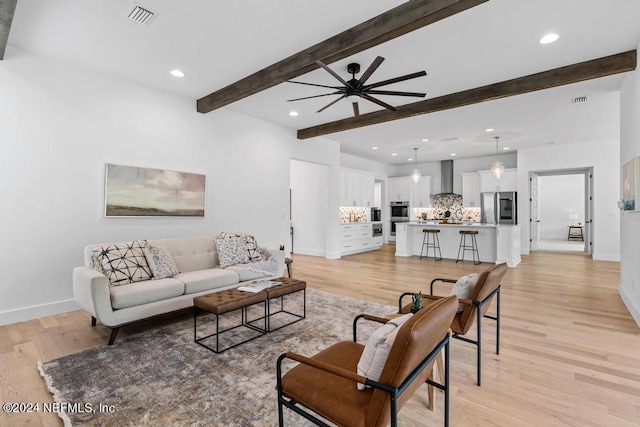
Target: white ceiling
{"x":216,"y":43}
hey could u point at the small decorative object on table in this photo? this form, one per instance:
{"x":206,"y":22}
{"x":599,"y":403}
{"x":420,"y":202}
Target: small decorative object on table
{"x":417,"y":302}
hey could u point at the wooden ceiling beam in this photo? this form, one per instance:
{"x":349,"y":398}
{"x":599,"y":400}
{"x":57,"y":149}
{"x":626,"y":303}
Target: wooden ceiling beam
{"x":396,"y":22}
{"x":7,"y":9}
{"x":596,"y":68}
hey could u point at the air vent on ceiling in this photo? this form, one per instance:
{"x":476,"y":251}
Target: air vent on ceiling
{"x":141,"y":15}
{"x":580,"y":100}
{"x":452,"y":138}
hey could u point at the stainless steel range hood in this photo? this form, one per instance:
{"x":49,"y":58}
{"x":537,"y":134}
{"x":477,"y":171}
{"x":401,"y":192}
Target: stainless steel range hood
{"x":446,"y":178}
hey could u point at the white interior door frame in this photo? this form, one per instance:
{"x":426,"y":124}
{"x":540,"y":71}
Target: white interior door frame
{"x":588,"y":209}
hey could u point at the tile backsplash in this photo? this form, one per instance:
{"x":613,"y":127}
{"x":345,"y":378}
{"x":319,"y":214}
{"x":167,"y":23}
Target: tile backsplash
{"x":350,"y":214}
{"x":451,"y":203}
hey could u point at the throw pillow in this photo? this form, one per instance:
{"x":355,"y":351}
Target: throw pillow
{"x":464,"y":287}
{"x":160,"y":262}
{"x":231,"y":251}
{"x":124,"y":263}
{"x":377,"y":349}
{"x":250,"y":244}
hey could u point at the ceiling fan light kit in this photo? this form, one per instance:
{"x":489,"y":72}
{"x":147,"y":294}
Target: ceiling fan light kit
{"x":357,"y":87}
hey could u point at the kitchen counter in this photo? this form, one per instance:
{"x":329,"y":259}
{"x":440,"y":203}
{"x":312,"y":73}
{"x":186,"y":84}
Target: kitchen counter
{"x":496,"y":243}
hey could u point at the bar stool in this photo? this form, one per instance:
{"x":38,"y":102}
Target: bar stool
{"x":430,"y":240}
{"x":473,"y":246}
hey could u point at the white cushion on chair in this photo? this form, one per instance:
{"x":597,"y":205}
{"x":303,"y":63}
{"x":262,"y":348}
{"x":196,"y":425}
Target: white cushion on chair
{"x":464,"y":287}
{"x":377,"y":349}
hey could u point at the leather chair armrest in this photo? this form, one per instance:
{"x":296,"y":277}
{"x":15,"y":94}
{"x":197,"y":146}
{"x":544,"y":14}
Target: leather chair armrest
{"x":440,"y":279}
{"x":335,"y":370}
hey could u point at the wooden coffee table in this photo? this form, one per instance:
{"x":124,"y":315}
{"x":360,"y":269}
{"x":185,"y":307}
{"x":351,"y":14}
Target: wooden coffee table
{"x":226,"y":301}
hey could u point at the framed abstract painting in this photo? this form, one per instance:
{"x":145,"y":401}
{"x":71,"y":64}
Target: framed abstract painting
{"x":132,"y":191}
{"x":631,"y":185}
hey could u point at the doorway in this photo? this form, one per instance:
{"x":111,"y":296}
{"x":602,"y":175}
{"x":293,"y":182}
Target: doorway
{"x":561,"y":209}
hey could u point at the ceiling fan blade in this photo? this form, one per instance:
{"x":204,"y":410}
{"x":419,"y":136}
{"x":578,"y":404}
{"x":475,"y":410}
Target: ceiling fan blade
{"x":330,"y":71}
{"x":313,"y":84}
{"x":330,"y":104}
{"x":397,"y":79}
{"x":380,"y":103}
{"x":315,"y":96}
{"x":395,"y":93}
{"x":356,"y":109}
{"x":373,"y":67}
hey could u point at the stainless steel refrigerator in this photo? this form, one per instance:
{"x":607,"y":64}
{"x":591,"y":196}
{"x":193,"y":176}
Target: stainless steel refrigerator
{"x":499,"y":208}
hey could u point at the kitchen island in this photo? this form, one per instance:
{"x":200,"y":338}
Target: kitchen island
{"x":496,"y":243}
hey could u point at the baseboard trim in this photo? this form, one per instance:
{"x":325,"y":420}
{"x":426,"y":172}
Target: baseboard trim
{"x":606,"y":257}
{"x":312,"y":252}
{"x":37,"y":311}
{"x":629,"y":302}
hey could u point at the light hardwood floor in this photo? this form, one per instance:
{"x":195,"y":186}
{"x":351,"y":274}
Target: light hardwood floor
{"x":570,"y":351}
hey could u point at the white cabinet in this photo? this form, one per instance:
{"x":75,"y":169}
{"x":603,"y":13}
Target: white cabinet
{"x":508,"y":245}
{"x":421,"y":193}
{"x":488,"y":183}
{"x":471,"y":189}
{"x":358,"y":237}
{"x":356,"y":189}
{"x":400,"y":189}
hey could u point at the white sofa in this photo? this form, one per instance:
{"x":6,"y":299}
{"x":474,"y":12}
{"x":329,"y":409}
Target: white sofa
{"x":199,"y":274}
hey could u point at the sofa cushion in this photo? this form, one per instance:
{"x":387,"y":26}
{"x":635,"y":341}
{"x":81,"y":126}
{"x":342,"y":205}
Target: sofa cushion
{"x":190,"y":253}
{"x":160,"y":261}
{"x":231,"y":251}
{"x":202,"y":280}
{"x":124,"y":263}
{"x":139,"y":293}
{"x":250,"y":244}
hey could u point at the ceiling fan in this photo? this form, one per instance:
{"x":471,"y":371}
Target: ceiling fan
{"x":357,"y":87}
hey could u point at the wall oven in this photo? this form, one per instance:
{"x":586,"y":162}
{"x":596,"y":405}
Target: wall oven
{"x":400,"y":209}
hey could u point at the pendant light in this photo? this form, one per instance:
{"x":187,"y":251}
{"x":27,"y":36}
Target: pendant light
{"x":415,"y":173}
{"x":497,"y":169}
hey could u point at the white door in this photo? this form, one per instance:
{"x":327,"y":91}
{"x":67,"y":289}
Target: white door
{"x":534,"y":209}
{"x":588,"y":213}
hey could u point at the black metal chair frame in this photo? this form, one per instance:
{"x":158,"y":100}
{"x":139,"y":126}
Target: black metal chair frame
{"x":435,"y":244}
{"x":394,"y":393}
{"x":479,"y":316}
{"x":466,"y":248}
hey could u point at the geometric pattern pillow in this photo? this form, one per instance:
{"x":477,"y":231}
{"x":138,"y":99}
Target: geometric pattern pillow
{"x":161,"y":262}
{"x":124,"y":263}
{"x":250,"y":245}
{"x":231,"y":251}
{"x":464,"y":288}
{"x":377,"y":349}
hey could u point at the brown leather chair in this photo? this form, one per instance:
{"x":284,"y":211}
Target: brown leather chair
{"x":475,"y":308}
{"x":326,"y":382}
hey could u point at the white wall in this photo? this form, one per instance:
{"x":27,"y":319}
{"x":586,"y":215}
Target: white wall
{"x":380,"y":170}
{"x":60,"y":125}
{"x":309,"y":208}
{"x":604,"y":158}
{"x":630,"y":222}
{"x":559,"y":196}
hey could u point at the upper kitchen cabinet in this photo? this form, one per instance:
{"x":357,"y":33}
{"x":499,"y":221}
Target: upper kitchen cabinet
{"x":400,"y":189}
{"x":470,"y":189}
{"x":509,"y":181}
{"x":356,"y":189}
{"x":421,"y":193}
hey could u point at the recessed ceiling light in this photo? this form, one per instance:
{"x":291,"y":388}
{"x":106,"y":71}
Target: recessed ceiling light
{"x":394,"y":154}
{"x":549,"y":38}
{"x":453,"y":154}
{"x":293,"y":113}
{"x":489,"y":130}
{"x":425,"y":140}
{"x":505,"y":148}
{"x":177,"y":73}
{"x":410,"y":160}
{"x":374,"y":148}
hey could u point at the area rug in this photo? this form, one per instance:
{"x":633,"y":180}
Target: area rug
{"x":163,"y":378}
